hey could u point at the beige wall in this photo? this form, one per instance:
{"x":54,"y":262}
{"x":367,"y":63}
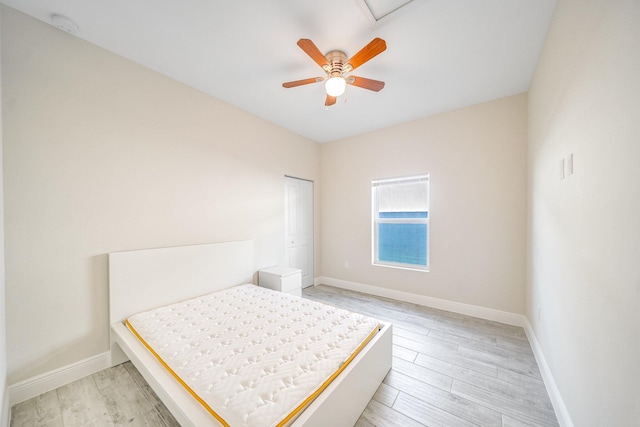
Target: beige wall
{"x":4,"y":394}
{"x":476,"y":158}
{"x":584,"y":233}
{"x":103,"y":155}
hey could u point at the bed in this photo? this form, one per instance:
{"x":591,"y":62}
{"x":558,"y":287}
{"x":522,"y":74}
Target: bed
{"x":146,"y":279}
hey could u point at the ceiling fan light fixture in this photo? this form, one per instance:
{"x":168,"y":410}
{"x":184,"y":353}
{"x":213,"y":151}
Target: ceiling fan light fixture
{"x":335,"y":86}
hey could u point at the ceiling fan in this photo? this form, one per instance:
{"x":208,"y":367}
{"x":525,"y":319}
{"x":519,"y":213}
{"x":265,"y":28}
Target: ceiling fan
{"x":336,"y":65}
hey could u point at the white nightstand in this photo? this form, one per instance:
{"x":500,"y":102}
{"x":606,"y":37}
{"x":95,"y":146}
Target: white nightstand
{"x":283,"y":279}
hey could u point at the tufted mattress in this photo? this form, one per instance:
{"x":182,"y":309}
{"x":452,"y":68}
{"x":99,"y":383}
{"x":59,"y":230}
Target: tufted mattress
{"x":252,"y":356}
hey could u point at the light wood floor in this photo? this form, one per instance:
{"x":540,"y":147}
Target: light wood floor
{"x":448,"y":370}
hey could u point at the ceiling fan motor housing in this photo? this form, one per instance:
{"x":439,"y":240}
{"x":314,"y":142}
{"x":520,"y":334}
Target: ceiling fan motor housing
{"x":336,"y":60}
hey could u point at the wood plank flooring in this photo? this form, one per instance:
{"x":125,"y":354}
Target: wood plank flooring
{"x":448,"y":370}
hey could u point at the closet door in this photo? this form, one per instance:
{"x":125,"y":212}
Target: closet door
{"x":299,"y":227}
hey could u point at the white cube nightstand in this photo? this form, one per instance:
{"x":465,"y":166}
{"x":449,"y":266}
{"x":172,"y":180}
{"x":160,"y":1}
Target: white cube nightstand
{"x":283,"y":279}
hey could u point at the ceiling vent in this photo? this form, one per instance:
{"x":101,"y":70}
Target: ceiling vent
{"x":63,"y":23}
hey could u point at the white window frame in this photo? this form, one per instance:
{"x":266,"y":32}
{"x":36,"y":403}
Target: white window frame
{"x":375,"y":220}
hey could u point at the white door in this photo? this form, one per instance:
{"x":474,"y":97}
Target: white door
{"x":298,"y":227}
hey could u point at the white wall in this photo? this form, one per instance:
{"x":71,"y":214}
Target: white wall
{"x":584,"y":231}
{"x":4,"y":395}
{"x":476,"y":158}
{"x":103,"y":155}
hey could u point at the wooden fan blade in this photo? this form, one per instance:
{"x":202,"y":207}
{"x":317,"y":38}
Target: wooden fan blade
{"x":330,"y":100}
{"x":374,"y":85}
{"x":302,"y":82}
{"x":375,"y":47}
{"x":313,"y":52}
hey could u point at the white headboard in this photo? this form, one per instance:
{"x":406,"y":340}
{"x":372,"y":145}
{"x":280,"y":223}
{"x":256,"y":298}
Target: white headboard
{"x":145,"y":279}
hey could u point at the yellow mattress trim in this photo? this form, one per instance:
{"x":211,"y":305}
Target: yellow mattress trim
{"x":176,"y":376}
{"x":293,"y":413}
{"x":329,"y":380}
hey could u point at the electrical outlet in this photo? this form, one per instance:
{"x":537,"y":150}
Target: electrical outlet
{"x":346,"y":264}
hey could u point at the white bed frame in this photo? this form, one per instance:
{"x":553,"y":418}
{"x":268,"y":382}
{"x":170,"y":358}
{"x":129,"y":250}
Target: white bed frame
{"x":145,"y":279}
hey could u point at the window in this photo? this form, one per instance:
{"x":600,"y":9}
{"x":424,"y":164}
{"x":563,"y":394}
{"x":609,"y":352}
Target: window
{"x":401,"y":222}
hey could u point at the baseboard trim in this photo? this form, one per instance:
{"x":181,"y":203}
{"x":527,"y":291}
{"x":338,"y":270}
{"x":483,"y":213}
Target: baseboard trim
{"x":40,"y":384}
{"x":441,"y":304}
{"x":562,"y":413}
{"x":35,"y":386}
{"x":5,"y":415}
{"x":564,"y":419}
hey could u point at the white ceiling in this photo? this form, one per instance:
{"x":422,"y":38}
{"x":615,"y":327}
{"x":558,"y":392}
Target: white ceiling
{"x":441,"y":54}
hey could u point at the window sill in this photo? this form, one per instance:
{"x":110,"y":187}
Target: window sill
{"x":402,"y":267}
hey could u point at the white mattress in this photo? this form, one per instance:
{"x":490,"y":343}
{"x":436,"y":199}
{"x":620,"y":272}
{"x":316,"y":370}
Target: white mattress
{"x":252,"y":356}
